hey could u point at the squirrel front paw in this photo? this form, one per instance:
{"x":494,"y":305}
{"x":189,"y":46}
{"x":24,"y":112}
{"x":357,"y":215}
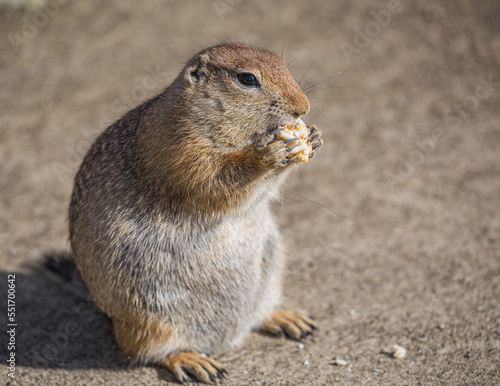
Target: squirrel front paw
{"x":272,"y":153}
{"x":275,"y":151}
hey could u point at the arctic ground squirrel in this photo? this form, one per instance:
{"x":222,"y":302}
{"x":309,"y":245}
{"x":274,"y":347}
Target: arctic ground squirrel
{"x":169,"y":221}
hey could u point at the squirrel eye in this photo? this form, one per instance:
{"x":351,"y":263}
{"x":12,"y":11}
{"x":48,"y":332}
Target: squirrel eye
{"x":248,"y":80}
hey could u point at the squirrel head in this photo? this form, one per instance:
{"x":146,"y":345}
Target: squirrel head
{"x":235,"y":93}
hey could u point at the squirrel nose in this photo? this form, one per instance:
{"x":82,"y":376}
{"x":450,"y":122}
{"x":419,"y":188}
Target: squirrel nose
{"x":301,"y":107}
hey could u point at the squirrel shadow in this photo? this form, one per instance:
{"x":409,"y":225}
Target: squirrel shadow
{"x":57,"y":323}
{"x":55,"y":328}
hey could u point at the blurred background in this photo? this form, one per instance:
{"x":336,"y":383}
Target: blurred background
{"x":393,"y":230}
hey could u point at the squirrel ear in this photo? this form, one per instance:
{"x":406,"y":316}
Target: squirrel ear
{"x":198,"y":72}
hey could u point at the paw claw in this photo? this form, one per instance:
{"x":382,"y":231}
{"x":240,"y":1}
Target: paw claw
{"x":221,"y":376}
{"x":287,"y":141}
{"x":314,"y":139}
{"x":289,"y":149}
{"x":313,"y":130}
{"x":277,"y":130}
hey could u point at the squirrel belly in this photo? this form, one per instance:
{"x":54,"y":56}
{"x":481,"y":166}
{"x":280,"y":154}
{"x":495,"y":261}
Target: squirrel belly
{"x":210,"y":298}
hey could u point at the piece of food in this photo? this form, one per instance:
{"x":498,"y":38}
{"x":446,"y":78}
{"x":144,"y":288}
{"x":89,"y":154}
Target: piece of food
{"x":299,"y":130}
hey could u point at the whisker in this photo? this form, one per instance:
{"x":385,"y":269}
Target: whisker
{"x":320,"y":204}
{"x":305,"y":73}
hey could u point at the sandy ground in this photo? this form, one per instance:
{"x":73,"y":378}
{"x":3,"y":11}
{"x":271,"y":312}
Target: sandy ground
{"x":409,"y":107}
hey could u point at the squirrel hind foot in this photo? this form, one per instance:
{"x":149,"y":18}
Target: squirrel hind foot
{"x":155,"y":342}
{"x":291,"y":324}
{"x":203,"y":368}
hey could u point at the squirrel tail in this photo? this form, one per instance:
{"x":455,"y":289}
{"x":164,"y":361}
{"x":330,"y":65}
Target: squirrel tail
{"x":61,"y":268}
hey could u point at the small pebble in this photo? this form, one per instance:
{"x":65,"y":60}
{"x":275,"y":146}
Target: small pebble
{"x":339,"y":362}
{"x":301,"y":346}
{"x":306,"y":363}
{"x":352,"y":312}
{"x":399,"y":351}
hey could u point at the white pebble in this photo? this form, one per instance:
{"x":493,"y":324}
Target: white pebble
{"x":352,"y":312}
{"x":340,"y":362}
{"x":301,"y":346}
{"x":306,"y":363}
{"x":399,"y":351}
